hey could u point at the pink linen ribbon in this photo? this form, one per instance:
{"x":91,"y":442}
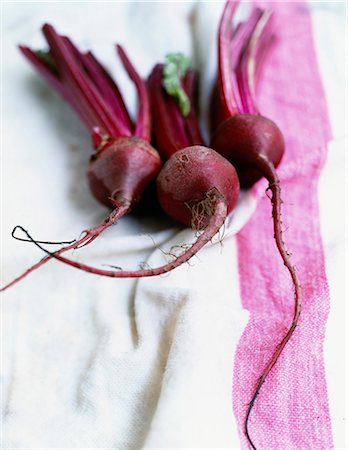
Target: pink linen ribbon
{"x":291,"y":411}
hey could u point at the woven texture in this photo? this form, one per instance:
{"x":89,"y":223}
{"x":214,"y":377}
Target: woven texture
{"x":291,"y":411}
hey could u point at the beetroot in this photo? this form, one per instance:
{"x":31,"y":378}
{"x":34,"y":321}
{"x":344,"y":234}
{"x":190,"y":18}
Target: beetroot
{"x":124,"y":162}
{"x":121,"y":171}
{"x":191,"y":181}
{"x":252,"y":142}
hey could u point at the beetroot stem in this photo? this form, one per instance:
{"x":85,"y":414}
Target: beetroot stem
{"x":177,"y":121}
{"x":229,"y":102}
{"x":90,"y":236}
{"x":79,"y":82}
{"x":143,"y":122}
{"x":264,"y":47}
{"x":216,"y":221}
{"x":191,"y":120}
{"x":239,"y":43}
{"x":245,"y":70}
{"x":172,"y":138}
{"x":45,"y":70}
{"x":114,"y":97}
{"x":105,"y":86}
{"x":269,"y":172}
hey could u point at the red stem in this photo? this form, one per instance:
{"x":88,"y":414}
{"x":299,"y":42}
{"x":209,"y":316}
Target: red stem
{"x":118,"y":102}
{"x":106,"y":87}
{"x":79,"y":82}
{"x":228,"y":95}
{"x":177,"y":121}
{"x":53,"y":78}
{"x":245,"y":69}
{"x":264,"y":47}
{"x":89,"y":236}
{"x":240,"y":35}
{"x":239,"y":41}
{"x":269,"y":172}
{"x":169,"y":137}
{"x":143,"y":123}
{"x":240,"y":45}
{"x":191,"y":120}
{"x":215,"y":223}
{"x":172,"y":130}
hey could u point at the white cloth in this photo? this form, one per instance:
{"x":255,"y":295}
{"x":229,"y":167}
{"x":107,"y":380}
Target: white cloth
{"x":91,"y":362}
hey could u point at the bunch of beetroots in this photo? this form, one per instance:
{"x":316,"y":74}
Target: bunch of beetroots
{"x":197,"y":186}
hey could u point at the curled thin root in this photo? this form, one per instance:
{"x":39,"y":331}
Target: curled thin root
{"x":22,"y":239}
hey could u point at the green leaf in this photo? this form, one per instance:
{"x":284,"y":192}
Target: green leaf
{"x":174,"y":70}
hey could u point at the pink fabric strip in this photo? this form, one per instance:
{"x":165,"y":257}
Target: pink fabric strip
{"x":291,"y":411}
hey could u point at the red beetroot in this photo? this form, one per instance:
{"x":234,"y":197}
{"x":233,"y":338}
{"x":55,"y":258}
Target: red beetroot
{"x":252,"y":142}
{"x":119,"y":173}
{"x":124,"y":162}
{"x":191,"y":181}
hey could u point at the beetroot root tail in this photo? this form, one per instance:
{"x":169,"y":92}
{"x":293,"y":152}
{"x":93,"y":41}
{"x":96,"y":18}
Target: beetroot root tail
{"x":270,"y":174}
{"x":216,"y":221}
{"x":88,"y":237}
